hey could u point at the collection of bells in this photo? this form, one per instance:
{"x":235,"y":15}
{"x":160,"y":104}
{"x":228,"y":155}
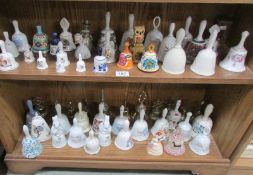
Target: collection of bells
{"x":174,"y":52}
{"x":169,"y":132}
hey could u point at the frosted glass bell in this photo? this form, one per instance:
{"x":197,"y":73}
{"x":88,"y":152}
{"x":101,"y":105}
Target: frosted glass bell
{"x":155,"y":147}
{"x":7,"y":60}
{"x":66,"y":37}
{"x":58,"y":137}
{"x":175,"y":144}
{"x":31,"y":147}
{"x":28,"y":54}
{"x":186,"y":128}
{"x":140,"y":128}
{"x":119,"y":121}
{"x":200,"y":144}
{"x":129,"y":34}
{"x":61,"y":55}
{"x":188,"y":35}
{"x":41,"y":62}
{"x":40,"y":128}
{"x":104,"y":134}
{"x":123,"y":140}
{"x":100,"y":63}
{"x":10,"y":46}
{"x":30,"y":114}
{"x":82,"y":119}
{"x":92,"y":144}
{"x":19,"y":38}
{"x":174,"y":116}
{"x":63,"y":119}
{"x":108,"y":51}
{"x":82,"y":50}
{"x":99,"y":118}
{"x":76,"y":138}
{"x":235,"y":59}
{"x":161,"y":125}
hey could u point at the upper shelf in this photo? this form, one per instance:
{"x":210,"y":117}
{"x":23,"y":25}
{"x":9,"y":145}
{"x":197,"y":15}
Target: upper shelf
{"x":30,"y":72}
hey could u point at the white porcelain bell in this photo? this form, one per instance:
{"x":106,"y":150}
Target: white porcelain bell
{"x":200,"y":144}
{"x":28,"y":54}
{"x":64,"y":122}
{"x":66,"y":37}
{"x":61,"y":55}
{"x":82,"y":118}
{"x":7,"y":60}
{"x":100,"y":63}
{"x":119,"y":121}
{"x":82,"y":50}
{"x":19,"y":38}
{"x":235,"y":59}
{"x":104,"y":134}
{"x":203,"y":123}
{"x":175,"y":59}
{"x":99,"y":118}
{"x":30,"y":114}
{"x":140,"y":128}
{"x":41,"y":62}
{"x":174,"y":116}
{"x":108,"y":50}
{"x":129,"y":34}
{"x":92,"y":144}
{"x":58,"y":137}
{"x":154,"y":36}
{"x":167,"y":43}
{"x":218,"y":29}
{"x":205,"y":62}
{"x":40,"y":128}
{"x":186,"y":128}
{"x":59,"y":66}
{"x":76,"y":139}
{"x":155,"y":147}
{"x":80,"y":64}
{"x":162,"y":124}
{"x":123,"y":140}
{"x":10,"y":46}
{"x":188,"y":36}
{"x":31,"y":147}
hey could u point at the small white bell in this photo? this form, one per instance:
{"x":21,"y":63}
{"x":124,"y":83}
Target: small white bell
{"x":100,"y":63}
{"x":205,"y":62}
{"x":186,"y":128}
{"x":59,"y":66}
{"x":82,"y":118}
{"x":200,"y":144}
{"x":188,"y":36}
{"x":66,"y":37}
{"x":76,"y":139}
{"x":119,"y":121}
{"x":10,"y":46}
{"x":104,"y":134}
{"x":140,"y":128}
{"x":123,"y":140}
{"x":58,"y":138}
{"x":41,"y":62}
{"x":235,"y":59}
{"x":161,"y":125}
{"x":40,"y":128}
{"x":28,"y":54}
{"x":92,"y":144}
{"x":80,"y":65}
{"x":64,"y":122}
{"x":19,"y":38}
{"x":108,"y":50}
{"x":175,"y":59}
{"x":61,"y":55}
{"x":129,"y":34}
{"x":7,"y":60}
{"x":174,"y":116}
{"x":99,"y":118}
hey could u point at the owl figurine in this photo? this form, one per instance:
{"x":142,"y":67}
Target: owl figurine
{"x":138,"y":47}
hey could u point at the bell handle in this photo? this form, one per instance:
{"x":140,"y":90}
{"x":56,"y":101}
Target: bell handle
{"x":208,"y":111}
{"x":171,"y":29}
{"x":188,"y":116}
{"x":165,"y":111}
{"x":122,"y":110}
{"x":157,"y":22}
{"x":2,"y":46}
{"x":188,"y":24}
{"x":178,"y":105}
{"x":131,"y":22}
{"x":202,"y":27}
{"x":58,"y":109}
{"x":26,"y":131}
{"x":80,"y":107}
{"x":107,"y":20}
{"x":30,"y":107}
{"x":245,"y":34}
{"x":15,"y":25}
{"x":212,"y":39}
{"x":179,"y":37}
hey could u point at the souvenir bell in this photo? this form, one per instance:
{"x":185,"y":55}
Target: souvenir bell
{"x":7,"y":60}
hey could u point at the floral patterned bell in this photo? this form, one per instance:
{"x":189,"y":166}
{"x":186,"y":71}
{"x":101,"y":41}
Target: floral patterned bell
{"x":125,"y":58}
{"x":40,"y":41}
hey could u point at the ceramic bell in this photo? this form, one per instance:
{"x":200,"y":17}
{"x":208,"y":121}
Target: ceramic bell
{"x":125,"y":58}
{"x":154,"y":36}
{"x":82,"y":119}
{"x":58,"y":137}
{"x":155,"y":147}
{"x":40,"y":41}
{"x":216,"y":44}
{"x":167,"y":43}
{"x":205,"y":62}
{"x":123,"y":140}
{"x":99,"y":118}
{"x":175,"y":144}
{"x":30,"y":114}
{"x":186,"y":128}
{"x":19,"y":38}
{"x":86,"y":35}
{"x":108,"y":50}
{"x":7,"y":60}
{"x":31,"y":147}
{"x":41,"y":62}
{"x":80,"y":64}
{"x":28,"y":54}
{"x":138,"y":47}
{"x":203,"y":123}
{"x":175,"y":59}
{"x":174,"y":116}
{"x":140,"y":128}
{"x":61,"y":55}
{"x":200,"y":144}
{"x":100,"y":63}
{"x":149,"y":62}
{"x":66,"y":37}
{"x":59,"y":66}
{"x":92,"y":144}
{"x":119,"y":121}
{"x":76,"y":139}
{"x":235,"y":59}
{"x":54,"y":44}
{"x":161,"y":124}
{"x":197,"y":44}
{"x":40,"y":128}
{"x":10,"y":46}
{"x":104,"y":134}
{"x":83,"y":50}
{"x":129,"y":34}
{"x":188,"y":35}
{"x":63,"y":119}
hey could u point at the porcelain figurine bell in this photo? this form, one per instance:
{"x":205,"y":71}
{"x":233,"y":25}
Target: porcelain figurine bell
{"x":123,"y":140}
{"x":58,"y":137}
{"x":129,"y":34}
{"x":104,"y":134}
{"x":161,"y":125}
{"x":19,"y":38}
{"x":76,"y":139}
{"x":100,"y":63}
{"x":40,"y":41}
{"x":125,"y":58}
{"x":200,"y":144}
{"x":63,"y":119}
{"x":7,"y":60}
{"x":92,"y":144}
{"x":149,"y":62}
{"x":66,"y":37}
{"x":82,"y":118}
{"x":41,"y":62}
{"x":186,"y":128}
{"x":99,"y":118}
{"x":10,"y":46}
{"x":86,"y":35}
{"x":119,"y":121}
{"x":30,"y":114}
{"x":174,"y":116}
{"x":31,"y":147}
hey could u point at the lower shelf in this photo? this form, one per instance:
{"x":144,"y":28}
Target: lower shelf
{"x":113,"y":158}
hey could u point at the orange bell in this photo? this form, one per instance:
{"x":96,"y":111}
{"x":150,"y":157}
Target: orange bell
{"x":125,"y":58}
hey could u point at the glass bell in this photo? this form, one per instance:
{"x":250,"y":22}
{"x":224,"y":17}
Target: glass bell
{"x":19,"y":38}
{"x":7,"y":60}
{"x":66,"y":36}
{"x":10,"y":46}
{"x":107,"y":50}
{"x":92,"y":144}
{"x":123,"y":140}
{"x":200,"y":144}
{"x":86,"y":35}
{"x":188,"y":35}
{"x":119,"y":121}
{"x":82,"y":118}
{"x":76,"y":138}
{"x":58,"y":137}
{"x":63,"y":119}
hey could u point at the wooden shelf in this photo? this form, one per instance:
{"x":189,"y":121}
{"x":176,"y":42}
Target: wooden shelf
{"x":111,"y":157}
{"x":29,"y":72}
